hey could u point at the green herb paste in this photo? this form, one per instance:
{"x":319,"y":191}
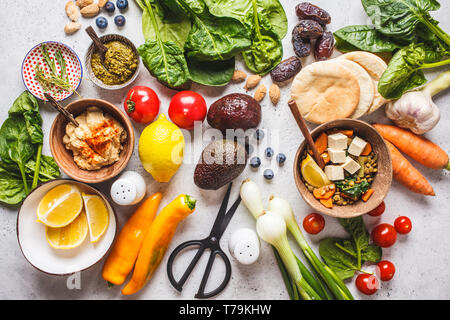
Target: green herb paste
{"x":119,"y":65}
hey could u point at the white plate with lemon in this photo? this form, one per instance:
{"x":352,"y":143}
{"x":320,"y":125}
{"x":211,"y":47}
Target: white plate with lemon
{"x":65,"y":226}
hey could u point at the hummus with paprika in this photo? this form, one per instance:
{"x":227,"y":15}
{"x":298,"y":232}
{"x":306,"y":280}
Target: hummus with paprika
{"x":98,"y":140}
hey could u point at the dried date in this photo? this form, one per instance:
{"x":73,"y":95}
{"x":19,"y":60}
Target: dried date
{"x":302,"y":47}
{"x":309,"y":29}
{"x":306,"y":10}
{"x":324,"y":46}
{"x":286,"y":69}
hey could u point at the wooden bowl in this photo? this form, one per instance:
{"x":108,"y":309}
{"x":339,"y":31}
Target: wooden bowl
{"x":64,"y":157}
{"x":380,"y":184}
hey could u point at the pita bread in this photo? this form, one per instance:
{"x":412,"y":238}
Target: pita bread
{"x":375,"y":66}
{"x":325,"y":91}
{"x":366,"y":87}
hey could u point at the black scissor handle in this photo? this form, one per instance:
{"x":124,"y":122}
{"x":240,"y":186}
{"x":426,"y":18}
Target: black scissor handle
{"x":201,"y":291}
{"x":179,"y":284}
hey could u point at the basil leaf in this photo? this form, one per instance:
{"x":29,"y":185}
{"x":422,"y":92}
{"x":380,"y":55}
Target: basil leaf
{"x":211,"y":73}
{"x":362,"y":37}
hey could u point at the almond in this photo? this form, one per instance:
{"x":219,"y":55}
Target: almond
{"x":72,"y":27}
{"x":72,"y":11}
{"x":101,"y":3}
{"x":90,"y":11}
{"x":252,"y":82}
{"x":274,"y":93}
{"x":239,"y":76}
{"x":84,"y":3}
{"x":260,"y":92}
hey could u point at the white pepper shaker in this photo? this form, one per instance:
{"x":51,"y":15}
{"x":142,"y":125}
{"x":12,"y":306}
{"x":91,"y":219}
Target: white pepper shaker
{"x":244,"y":245}
{"x":128,"y":189}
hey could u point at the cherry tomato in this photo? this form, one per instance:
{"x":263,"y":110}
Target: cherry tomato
{"x":378,"y":211}
{"x":403,"y":225}
{"x":386,"y":269}
{"x":367,"y":283}
{"x":187,"y":107}
{"x":142,"y":104}
{"x":384,"y":235}
{"x":313,"y":223}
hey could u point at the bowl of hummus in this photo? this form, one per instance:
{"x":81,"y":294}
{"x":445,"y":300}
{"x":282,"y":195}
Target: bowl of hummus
{"x":99,"y":148}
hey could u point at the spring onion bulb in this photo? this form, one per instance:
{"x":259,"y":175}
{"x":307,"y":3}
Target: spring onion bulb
{"x":251,"y":197}
{"x":336,"y":285}
{"x":271,"y":227}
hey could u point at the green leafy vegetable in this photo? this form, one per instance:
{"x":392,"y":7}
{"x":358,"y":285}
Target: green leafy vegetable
{"x":362,"y":37}
{"x":346,"y":256}
{"x":353,"y":191}
{"x":211,"y":73}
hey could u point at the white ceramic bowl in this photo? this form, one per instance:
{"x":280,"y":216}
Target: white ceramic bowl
{"x":38,"y":252}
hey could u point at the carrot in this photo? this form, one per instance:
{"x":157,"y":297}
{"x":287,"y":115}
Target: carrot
{"x":367,"y":150}
{"x":323,"y":193}
{"x":366,"y":196}
{"x":327,"y":202}
{"x":418,"y":148}
{"x":321,"y":143}
{"x":326,"y":157}
{"x":406,"y":174}
{"x":348,"y":133}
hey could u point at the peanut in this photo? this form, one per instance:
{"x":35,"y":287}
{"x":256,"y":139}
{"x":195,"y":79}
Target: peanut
{"x":72,"y":11}
{"x":260,"y":92}
{"x":239,"y":76}
{"x":72,"y":27}
{"x":90,"y":11}
{"x":101,"y":3}
{"x":252,"y":82}
{"x":274,"y":93}
{"x":84,"y":3}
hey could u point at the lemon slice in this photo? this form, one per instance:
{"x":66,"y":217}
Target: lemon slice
{"x":60,"y":206}
{"x":312,"y":173}
{"x":97,"y":215}
{"x":70,"y":236}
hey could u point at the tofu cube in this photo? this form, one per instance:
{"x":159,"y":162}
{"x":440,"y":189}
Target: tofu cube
{"x":357,"y":146}
{"x":334,"y":173}
{"x":336,"y":156}
{"x":337,"y":141}
{"x":350,"y":165}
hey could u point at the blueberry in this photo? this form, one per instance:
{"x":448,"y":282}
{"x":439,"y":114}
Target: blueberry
{"x":119,"y":20}
{"x":101,"y":22}
{"x":255,"y":162}
{"x":110,"y":7}
{"x":269,"y":152}
{"x":268,"y":174}
{"x":259,"y":134}
{"x":122,"y":4}
{"x":281,"y":158}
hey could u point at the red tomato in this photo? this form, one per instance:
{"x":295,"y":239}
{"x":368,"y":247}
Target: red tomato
{"x":313,"y":223}
{"x":378,"y":211}
{"x":142,"y":104}
{"x":367,"y":283}
{"x":187,"y":107}
{"x":387,"y":270}
{"x":384,"y":235}
{"x":403,"y":225}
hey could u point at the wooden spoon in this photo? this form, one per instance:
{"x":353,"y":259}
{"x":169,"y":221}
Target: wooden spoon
{"x":61,"y":109}
{"x":101,"y":48}
{"x":302,"y":125}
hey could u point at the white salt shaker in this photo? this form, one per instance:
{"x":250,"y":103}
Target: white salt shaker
{"x":244,"y":246}
{"x":128,"y":189}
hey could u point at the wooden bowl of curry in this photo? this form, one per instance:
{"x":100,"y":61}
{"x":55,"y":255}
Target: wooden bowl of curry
{"x":65,"y":157}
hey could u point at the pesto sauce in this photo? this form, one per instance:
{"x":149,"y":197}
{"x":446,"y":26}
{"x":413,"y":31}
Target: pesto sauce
{"x":119,"y":65}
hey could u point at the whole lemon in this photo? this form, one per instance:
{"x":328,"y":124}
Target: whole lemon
{"x":161,"y":148}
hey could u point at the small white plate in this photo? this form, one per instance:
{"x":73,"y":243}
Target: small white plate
{"x":38,"y":252}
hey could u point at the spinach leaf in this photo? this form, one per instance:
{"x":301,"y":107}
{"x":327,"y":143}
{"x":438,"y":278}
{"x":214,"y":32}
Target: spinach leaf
{"x":399,"y":18}
{"x":266,"y":51}
{"x":356,"y":228}
{"x":362,"y":37}
{"x":211,"y":73}
{"x":12,"y":189}
{"x":213,"y":38}
{"x":404,"y":71}
{"x":48,"y":170}
{"x":163,"y":58}
{"x":342,"y":263}
{"x":354,"y":191}
{"x":239,"y":9}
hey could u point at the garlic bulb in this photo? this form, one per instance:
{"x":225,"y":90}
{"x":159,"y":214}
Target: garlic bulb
{"x":414,"y":110}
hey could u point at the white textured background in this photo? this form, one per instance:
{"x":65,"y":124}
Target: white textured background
{"x":421,"y":258}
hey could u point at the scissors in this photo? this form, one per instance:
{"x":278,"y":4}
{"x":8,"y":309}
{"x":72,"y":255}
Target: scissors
{"x":212,"y":242}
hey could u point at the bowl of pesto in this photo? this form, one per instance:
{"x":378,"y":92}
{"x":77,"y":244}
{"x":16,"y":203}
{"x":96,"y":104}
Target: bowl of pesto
{"x":120,"y":66}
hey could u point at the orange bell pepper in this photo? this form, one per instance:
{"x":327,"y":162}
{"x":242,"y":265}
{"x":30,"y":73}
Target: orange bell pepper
{"x":125,"y":251}
{"x":157,"y":240}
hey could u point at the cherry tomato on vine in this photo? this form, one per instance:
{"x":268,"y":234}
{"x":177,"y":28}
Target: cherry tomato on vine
{"x":403,"y":225}
{"x":186,"y":107}
{"x":384,"y":235}
{"x":313,"y":223}
{"x":386,"y":269}
{"x":367,"y":284}
{"x":142,"y":104}
{"x":378,"y":211}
